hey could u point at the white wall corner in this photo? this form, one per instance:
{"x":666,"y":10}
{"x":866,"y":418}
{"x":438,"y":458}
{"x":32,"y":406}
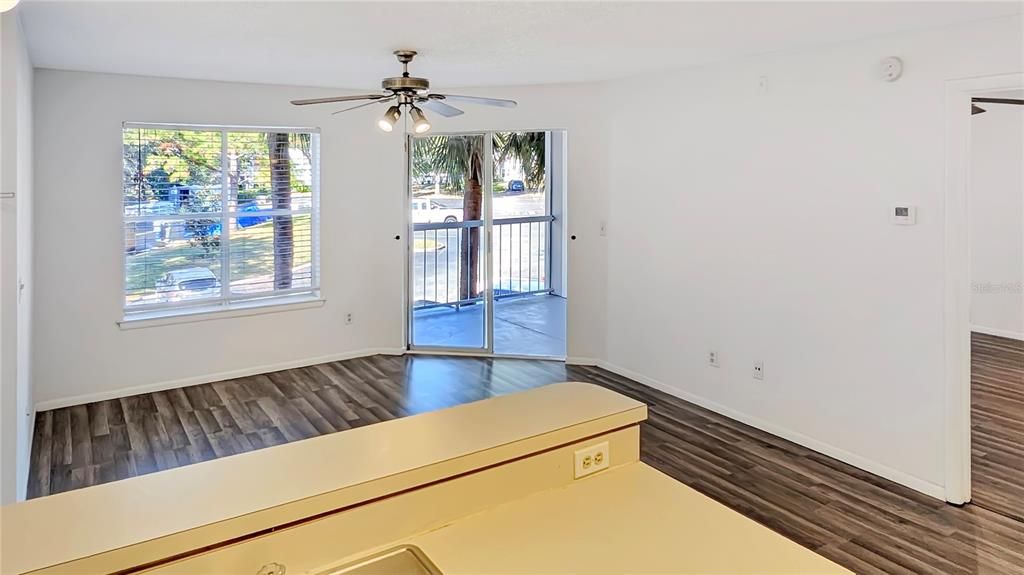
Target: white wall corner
{"x":894,"y":475}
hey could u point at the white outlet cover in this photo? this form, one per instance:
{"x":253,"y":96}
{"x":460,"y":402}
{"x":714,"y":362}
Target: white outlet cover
{"x":758,"y":370}
{"x":590,"y":460}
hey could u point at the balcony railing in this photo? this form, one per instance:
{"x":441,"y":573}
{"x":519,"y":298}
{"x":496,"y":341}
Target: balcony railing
{"x":519,"y":252}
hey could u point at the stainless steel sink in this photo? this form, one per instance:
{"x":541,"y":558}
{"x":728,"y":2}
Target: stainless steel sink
{"x":401,"y":560}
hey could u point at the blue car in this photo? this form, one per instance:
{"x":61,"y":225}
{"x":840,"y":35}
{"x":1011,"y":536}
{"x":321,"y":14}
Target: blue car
{"x":249,"y":221}
{"x":516,"y":186}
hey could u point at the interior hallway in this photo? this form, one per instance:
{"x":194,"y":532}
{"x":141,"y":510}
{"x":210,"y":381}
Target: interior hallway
{"x":859,"y":520}
{"x":997,"y":424}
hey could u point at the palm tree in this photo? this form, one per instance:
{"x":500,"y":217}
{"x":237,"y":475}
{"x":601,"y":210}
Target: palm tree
{"x":526,"y":148}
{"x":461,"y":158}
{"x":281,"y":199}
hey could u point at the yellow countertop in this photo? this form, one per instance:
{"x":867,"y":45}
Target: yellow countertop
{"x":175,"y":511}
{"x":631,"y":519}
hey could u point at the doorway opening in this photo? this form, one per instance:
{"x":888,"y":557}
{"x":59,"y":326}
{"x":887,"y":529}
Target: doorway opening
{"x":996,"y":255}
{"x":487,"y":251}
{"x":960,"y":114}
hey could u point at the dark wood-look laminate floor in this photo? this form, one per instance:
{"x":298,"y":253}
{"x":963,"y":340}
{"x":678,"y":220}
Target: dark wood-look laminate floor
{"x":856,"y":519}
{"x":997,"y":424}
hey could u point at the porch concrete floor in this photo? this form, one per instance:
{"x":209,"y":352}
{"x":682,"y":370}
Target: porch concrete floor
{"x":530,"y":325}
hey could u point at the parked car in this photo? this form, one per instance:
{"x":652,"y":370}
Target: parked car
{"x":248,"y":221}
{"x":515,"y":186}
{"x":430,"y":211}
{"x":187,"y":283}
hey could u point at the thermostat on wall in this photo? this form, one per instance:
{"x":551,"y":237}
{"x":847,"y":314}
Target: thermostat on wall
{"x":904,"y":215}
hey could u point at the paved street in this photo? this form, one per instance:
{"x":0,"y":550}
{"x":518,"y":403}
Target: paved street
{"x":505,"y":206}
{"x":520,"y":252}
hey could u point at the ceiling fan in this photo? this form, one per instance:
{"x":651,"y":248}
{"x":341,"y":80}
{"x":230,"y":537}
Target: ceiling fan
{"x":413,"y":94}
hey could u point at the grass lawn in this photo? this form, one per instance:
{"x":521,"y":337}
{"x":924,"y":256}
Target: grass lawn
{"x":252,"y":255}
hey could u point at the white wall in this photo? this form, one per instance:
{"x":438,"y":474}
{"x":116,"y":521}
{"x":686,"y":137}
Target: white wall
{"x":997,"y":220}
{"x":81,"y":353}
{"x":756,"y":224}
{"x":752,"y":223}
{"x":15,"y":258}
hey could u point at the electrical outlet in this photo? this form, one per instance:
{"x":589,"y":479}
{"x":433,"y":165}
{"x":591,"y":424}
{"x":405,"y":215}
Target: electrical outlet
{"x":758,"y":372}
{"x":348,"y":318}
{"x":713,"y":358}
{"x":590,"y":460}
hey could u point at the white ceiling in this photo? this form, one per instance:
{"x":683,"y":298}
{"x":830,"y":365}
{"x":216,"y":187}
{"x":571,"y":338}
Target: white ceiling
{"x":348,"y":45}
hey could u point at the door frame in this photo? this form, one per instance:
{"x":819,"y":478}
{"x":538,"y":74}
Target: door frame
{"x":485,"y":240}
{"x":958,"y":276}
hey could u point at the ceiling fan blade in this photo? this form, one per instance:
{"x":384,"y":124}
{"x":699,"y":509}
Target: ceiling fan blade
{"x":476,"y":100}
{"x":364,"y":105}
{"x":337,"y":99}
{"x":440,"y":107}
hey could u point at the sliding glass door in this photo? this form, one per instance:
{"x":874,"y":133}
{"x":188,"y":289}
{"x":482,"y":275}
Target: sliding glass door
{"x":486,"y":256}
{"x":449,"y":300}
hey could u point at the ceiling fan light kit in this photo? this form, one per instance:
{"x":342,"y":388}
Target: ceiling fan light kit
{"x":390,"y":118}
{"x":408,"y":91}
{"x":420,"y":124}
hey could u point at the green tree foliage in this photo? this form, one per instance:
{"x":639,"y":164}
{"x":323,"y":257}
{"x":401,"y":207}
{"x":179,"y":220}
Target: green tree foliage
{"x":526,"y":148}
{"x":155,"y":161}
{"x":203,"y":233}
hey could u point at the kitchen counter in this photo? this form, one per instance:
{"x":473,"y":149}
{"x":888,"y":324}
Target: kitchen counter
{"x":633,"y":519}
{"x":487,"y":487}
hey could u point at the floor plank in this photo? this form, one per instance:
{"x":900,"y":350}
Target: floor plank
{"x":997,"y":424}
{"x":859,"y":520}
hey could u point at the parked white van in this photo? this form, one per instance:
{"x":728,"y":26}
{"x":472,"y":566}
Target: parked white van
{"x":186,"y":284}
{"x":430,"y":212}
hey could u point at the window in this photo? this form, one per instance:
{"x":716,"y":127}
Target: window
{"x":217,"y":218}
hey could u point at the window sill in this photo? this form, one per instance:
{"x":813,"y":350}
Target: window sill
{"x":156,"y":318}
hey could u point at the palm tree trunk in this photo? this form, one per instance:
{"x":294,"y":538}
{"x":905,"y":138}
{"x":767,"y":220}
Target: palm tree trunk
{"x":472,"y":209}
{"x":281,"y":193}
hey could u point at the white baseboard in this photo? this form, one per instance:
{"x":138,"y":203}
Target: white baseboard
{"x":209,"y":378}
{"x":998,"y":332}
{"x":915,"y":483}
{"x":868,"y":465}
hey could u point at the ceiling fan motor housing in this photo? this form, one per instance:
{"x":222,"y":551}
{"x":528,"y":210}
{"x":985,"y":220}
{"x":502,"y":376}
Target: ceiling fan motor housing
{"x":405,"y":84}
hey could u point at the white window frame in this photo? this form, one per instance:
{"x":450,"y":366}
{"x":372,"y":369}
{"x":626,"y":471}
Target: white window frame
{"x":227,"y":305}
